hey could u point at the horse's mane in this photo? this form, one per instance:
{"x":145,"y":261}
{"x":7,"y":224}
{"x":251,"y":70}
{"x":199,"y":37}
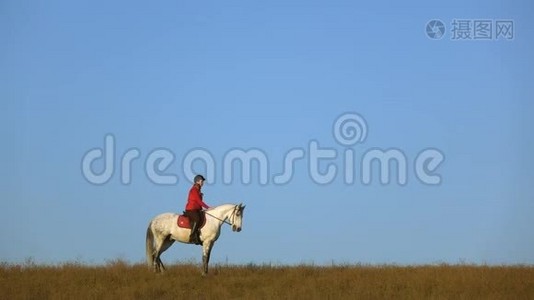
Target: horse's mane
{"x":226,"y":204}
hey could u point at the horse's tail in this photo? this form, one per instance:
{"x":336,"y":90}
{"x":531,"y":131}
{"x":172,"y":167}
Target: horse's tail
{"x":149,"y":246}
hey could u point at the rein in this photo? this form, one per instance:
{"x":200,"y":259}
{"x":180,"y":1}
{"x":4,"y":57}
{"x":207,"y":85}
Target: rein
{"x":224,"y":221}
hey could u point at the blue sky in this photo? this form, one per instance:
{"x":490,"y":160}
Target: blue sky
{"x":271,"y":76}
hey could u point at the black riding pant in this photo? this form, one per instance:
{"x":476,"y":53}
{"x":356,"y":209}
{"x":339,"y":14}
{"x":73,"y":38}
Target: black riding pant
{"x":193,"y":215}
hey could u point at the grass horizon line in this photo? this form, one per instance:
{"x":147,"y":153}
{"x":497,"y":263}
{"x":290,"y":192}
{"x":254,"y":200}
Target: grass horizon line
{"x":31,"y":262}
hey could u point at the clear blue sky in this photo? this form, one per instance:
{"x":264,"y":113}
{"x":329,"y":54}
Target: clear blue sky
{"x":271,"y":76}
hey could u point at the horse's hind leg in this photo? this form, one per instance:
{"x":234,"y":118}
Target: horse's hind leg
{"x":158,"y":243}
{"x":160,"y":265}
{"x":161,"y":246}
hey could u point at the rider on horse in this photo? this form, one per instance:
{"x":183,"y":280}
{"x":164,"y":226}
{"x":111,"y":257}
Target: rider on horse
{"x":193,"y":208}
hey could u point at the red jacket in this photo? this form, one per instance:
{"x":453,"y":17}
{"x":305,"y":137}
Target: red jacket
{"x":194,"y":201}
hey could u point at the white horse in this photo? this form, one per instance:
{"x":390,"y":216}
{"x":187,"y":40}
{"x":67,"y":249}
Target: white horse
{"x":163,"y":231}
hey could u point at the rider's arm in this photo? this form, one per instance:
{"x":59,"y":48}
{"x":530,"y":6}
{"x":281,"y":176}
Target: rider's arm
{"x":196,"y":196}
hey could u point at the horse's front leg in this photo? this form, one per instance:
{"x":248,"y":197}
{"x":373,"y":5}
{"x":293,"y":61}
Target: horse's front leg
{"x":206,"y":252}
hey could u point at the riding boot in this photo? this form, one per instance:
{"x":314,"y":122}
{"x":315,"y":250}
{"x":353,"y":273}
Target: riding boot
{"x":193,"y":237}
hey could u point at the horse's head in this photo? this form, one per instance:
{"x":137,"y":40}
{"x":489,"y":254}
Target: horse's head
{"x":237,"y":218}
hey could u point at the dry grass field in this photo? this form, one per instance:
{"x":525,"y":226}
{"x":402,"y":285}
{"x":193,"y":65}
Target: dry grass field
{"x":120,"y":280}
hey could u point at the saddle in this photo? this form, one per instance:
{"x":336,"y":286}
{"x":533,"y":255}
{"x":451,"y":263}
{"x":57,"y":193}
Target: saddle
{"x":183,"y":220}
